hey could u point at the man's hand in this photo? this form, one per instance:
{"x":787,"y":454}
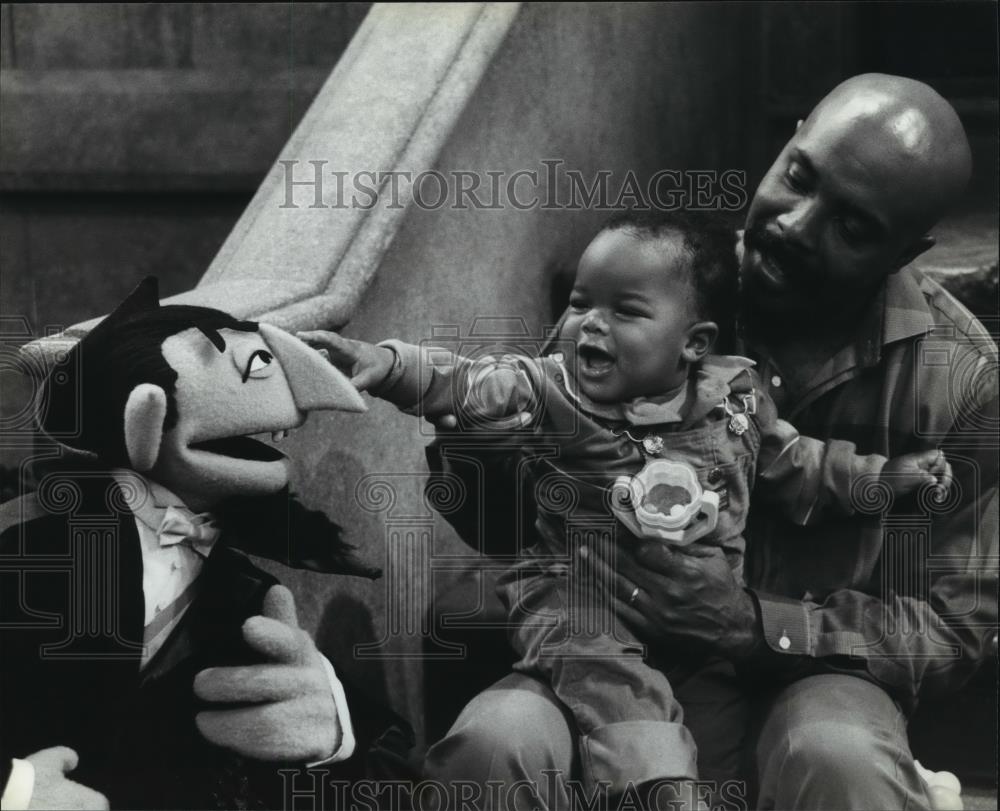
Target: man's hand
{"x":908,"y":472}
{"x":366,"y":364}
{"x":291,"y":714}
{"x":53,"y":789}
{"x":688,"y":594}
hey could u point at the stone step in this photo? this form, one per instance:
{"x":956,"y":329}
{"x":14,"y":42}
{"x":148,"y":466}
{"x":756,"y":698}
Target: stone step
{"x":964,"y":260}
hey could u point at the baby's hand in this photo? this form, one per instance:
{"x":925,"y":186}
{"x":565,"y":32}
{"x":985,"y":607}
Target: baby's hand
{"x":366,"y":364}
{"x":908,"y":472}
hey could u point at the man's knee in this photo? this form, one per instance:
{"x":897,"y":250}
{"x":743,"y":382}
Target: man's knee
{"x":513,"y":731}
{"x":836,"y":742}
{"x":835,"y":751}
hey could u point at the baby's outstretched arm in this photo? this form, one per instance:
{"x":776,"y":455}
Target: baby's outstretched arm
{"x":433,"y":382}
{"x":366,"y":364}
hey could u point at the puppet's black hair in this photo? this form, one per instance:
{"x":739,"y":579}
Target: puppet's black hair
{"x":85,"y":395}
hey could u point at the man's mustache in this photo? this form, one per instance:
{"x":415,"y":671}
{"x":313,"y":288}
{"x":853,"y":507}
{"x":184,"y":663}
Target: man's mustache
{"x":788,"y":259}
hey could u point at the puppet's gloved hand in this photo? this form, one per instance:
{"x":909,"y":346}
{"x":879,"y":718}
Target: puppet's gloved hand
{"x":291,"y":714}
{"x":53,"y":789}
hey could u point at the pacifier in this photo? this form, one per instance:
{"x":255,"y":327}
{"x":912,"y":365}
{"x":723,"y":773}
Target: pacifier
{"x":665,"y":500}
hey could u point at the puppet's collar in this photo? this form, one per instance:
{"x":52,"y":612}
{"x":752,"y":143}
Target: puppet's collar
{"x":151,"y":502}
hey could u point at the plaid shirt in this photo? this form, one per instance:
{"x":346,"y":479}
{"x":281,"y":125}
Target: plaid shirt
{"x":904,"y":594}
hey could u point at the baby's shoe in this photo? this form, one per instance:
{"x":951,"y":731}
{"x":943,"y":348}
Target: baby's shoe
{"x":943,"y":788}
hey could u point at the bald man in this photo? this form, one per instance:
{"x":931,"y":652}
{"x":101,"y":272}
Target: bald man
{"x":846,"y":625}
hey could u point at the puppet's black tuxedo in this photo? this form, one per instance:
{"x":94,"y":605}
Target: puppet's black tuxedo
{"x":74,"y":543}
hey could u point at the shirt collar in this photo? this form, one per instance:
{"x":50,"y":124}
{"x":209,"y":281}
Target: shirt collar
{"x":706,"y":387}
{"x":906,"y":312}
{"x":898,"y":311}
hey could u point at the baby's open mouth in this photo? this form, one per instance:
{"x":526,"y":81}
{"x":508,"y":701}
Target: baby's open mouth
{"x":594,"y":360}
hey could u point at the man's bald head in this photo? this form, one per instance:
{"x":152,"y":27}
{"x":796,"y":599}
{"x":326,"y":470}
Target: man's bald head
{"x":923,"y":144}
{"x":851,"y":197}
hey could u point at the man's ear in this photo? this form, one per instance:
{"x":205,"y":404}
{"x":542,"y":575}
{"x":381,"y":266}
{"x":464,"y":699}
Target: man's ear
{"x":925,"y":243}
{"x":144,"y":414}
{"x":700,"y":339}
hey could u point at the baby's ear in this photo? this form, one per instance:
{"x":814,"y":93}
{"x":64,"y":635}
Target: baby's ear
{"x":700,"y":340}
{"x":144,"y":414}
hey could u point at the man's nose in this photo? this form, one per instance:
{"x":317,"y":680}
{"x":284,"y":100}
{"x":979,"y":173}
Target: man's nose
{"x":595,"y":322}
{"x":799,"y":223}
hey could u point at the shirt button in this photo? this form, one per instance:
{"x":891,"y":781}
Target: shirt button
{"x":714,"y":475}
{"x":776,"y":381}
{"x":784,"y":643}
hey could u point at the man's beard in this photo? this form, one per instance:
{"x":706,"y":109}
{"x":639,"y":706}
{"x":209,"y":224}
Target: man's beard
{"x":799,"y":280}
{"x":802,"y":298}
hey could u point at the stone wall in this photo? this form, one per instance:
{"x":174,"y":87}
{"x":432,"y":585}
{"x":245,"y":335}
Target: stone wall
{"x":132,"y":136}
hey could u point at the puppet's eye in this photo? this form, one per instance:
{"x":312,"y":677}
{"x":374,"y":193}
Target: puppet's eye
{"x":258,"y":363}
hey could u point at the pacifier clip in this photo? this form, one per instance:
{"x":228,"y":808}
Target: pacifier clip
{"x":739,"y":421}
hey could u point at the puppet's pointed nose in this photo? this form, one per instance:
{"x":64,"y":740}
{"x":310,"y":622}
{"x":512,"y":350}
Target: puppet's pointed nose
{"x":314,"y":382}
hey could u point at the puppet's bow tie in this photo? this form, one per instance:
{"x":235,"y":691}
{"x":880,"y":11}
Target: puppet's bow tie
{"x":197,"y":531}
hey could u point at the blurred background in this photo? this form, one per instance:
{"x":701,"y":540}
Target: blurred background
{"x":134,"y":134}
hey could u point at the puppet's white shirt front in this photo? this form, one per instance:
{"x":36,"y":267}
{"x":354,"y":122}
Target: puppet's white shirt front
{"x":169,"y":576}
{"x":170,"y":572}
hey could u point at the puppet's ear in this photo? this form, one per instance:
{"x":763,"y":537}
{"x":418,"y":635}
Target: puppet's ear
{"x":144,"y":414}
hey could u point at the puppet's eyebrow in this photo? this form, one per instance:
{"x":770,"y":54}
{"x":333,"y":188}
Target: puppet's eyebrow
{"x":213,"y":335}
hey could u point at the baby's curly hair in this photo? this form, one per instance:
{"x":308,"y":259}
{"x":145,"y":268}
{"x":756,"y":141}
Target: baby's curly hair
{"x":710,"y":242}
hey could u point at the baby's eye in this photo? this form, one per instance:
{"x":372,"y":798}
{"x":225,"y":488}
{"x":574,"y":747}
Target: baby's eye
{"x":577,"y":303}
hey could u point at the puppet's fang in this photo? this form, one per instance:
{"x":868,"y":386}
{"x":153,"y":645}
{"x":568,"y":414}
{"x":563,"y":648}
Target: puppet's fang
{"x":277,"y":436}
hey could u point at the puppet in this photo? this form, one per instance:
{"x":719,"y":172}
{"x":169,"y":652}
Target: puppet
{"x":160,"y":666}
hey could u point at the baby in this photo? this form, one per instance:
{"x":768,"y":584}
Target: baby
{"x":656,"y":438}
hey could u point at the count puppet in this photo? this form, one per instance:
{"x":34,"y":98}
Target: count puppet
{"x":146,"y":660}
